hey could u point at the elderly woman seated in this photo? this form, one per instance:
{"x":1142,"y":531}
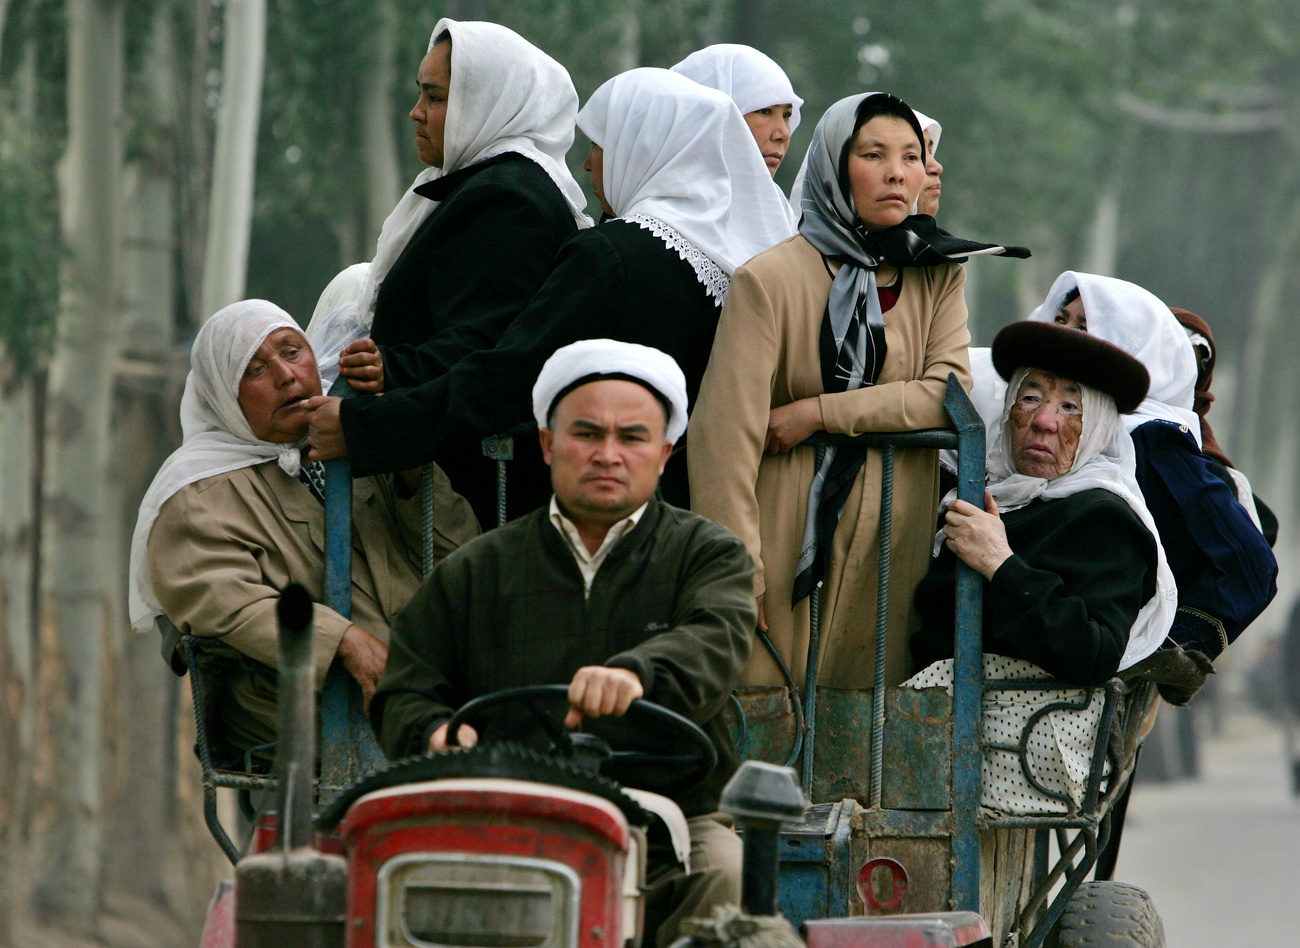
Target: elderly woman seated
{"x":233,"y":516}
{"x":1077,"y":587}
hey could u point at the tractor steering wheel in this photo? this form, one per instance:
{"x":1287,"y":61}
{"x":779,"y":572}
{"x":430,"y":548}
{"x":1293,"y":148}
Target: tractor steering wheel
{"x":636,"y":739}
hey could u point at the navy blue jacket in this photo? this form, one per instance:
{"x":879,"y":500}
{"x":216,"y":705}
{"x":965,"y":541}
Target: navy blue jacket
{"x":1225,"y":571}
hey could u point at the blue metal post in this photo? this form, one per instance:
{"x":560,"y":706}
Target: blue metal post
{"x":967,"y":664}
{"x":348,"y":746}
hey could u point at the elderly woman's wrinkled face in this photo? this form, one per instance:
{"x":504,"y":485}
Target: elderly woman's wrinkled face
{"x":1072,"y":316}
{"x":1046,"y":424}
{"x":279,"y":379}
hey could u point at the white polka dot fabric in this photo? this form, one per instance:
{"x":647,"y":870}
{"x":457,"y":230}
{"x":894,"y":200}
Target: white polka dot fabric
{"x":1060,"y":744}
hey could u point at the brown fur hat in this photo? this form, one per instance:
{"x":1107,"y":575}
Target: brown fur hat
{"x":1072,"y":354}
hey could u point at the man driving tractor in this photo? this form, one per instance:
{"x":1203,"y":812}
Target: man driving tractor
{"x":607,"y":588}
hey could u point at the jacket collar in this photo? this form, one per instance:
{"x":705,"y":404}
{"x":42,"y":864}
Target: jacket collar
{"x":439,"y":189}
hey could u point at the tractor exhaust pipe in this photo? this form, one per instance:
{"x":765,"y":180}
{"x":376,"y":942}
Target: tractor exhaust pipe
{"x":761,"y":796}
{"x":296,"y":895}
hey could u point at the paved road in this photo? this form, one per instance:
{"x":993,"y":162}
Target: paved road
{"x":1221,"y":855}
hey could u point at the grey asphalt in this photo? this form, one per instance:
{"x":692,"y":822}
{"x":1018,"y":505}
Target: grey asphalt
{"x":1220,"y":855}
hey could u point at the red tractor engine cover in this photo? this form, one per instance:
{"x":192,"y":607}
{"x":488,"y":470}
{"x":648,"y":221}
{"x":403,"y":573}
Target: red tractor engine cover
{"x":484,"y":862}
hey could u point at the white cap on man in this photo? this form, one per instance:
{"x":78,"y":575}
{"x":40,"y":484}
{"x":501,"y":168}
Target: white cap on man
{"x":593,"y":360}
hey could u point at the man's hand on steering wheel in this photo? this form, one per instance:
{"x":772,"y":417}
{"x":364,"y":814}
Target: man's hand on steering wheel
{"x":466,"y":736}
{"x":597,"y":690}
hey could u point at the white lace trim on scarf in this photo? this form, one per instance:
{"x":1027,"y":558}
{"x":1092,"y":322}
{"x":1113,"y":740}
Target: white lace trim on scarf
{"x":711,"y":276}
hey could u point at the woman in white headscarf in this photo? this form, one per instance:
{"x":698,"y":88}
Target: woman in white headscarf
{"x":1059,"y":600}
{"x":690,"y":200}
{"x":472,"y":241}
{"x":233,"y":516}
{"x":852,"y":326}
{"x":928,"y":201}
{"x":1226,"y":572}
{"x":759,"y":87}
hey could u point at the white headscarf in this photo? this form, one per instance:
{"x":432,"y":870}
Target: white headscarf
{"x":1137,"y":321}
{"x":1104,"y":459}
{"x":506,"y":96}
{"x":752,"y":78}
{"x":595,"y":357}
{"x":216,"y":437}
{"x":336,"y":320}
{"x":680,"y":153}
{"x":929,"y":125}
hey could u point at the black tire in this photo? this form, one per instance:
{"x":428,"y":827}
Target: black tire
{"x":1110,"y":915}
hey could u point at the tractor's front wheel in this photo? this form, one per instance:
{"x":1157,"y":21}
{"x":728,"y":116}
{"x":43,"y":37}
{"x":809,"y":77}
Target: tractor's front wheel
{"x":1110,"y":915}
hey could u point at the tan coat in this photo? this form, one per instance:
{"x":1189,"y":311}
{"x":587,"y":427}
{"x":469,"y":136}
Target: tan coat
{"x":766,"y":355}
{"x":222,"y":548}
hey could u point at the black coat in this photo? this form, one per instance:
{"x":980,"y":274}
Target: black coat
{"x":1082,"y":569}
{"x":673,"y":602}
{"x":615,"y":281}
{"x":462,"y":279}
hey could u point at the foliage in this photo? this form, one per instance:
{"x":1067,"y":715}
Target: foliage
{"x":30,"y":246}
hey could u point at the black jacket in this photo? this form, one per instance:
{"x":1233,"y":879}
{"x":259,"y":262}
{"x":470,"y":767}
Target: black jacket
{"x":1083,"y":567}
{"x":673,"y":602}
{"x":462,"y":279}
{"x":614,"y":281}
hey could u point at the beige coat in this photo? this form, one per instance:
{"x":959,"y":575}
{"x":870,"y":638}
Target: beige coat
{"x":766,"y":355}
{"x":222,"y":549}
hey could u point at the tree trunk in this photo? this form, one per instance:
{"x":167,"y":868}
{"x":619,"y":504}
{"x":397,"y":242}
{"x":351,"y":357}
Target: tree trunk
{"x":17,"y":648}
{"x":68,"y":885}
{"x":243,"y":56}
{"x":1103,"y":241}
{"x":194,"y":158}
{"x":378,"y":142}
{"x":1270,"y":297}
{"x":4,"y":18}
{"x":628,"y":51}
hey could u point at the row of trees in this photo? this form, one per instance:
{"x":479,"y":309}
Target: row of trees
{"x":159,"y":158}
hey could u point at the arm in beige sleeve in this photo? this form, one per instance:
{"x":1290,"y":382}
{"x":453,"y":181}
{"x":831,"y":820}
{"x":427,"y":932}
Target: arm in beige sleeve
{"x":206,"y":572}
{"x":914,"y":404}
{"x":729,"y":421}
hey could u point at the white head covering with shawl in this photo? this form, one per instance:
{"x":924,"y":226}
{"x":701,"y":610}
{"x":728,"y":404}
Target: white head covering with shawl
{"x":216,"y":437}
{"x":752,"y":79}
{"x":678,"y":155}
{"x":506,"y":96}
{"x":1104,"y":459}
{"x":1137,"y":321}
{"x":592,"y":358}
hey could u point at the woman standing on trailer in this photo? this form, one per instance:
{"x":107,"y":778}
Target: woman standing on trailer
{"x":687,"y":200}
{"x":460,"y":256}
{"x":852,"y":326}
